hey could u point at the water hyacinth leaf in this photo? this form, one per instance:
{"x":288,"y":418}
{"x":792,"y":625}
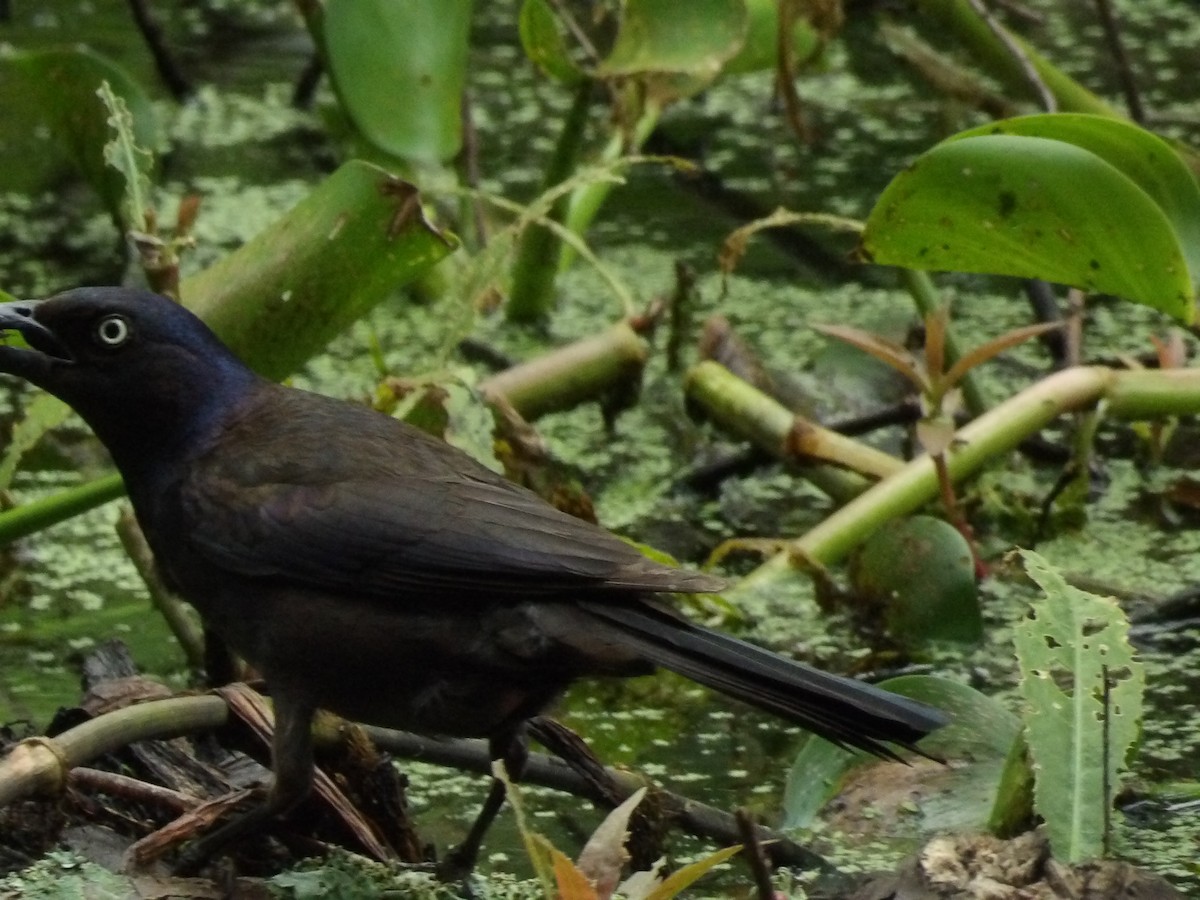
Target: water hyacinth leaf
{"x":1146,"y":159}
{"x":1083,"y":691}
{"x":357,"y":237}
{"x":760,"y":49}
{"x":56,"y":90}
{"x":545,"y":43}
{"x":399,"y":70}
{"x":665,"y":37}
{"x":981,"y":732}
{"x":921,"y":573}
{"x":1009,"y":204}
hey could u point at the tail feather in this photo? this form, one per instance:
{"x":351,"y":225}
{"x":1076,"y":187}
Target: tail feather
{"x":843,"y":710}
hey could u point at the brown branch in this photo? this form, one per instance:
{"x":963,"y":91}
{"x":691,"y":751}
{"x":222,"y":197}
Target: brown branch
{"x":1112,"y":37}
{"x":1049,"y":101}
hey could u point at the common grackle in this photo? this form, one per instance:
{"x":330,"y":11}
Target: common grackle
{"x":367,"y":568}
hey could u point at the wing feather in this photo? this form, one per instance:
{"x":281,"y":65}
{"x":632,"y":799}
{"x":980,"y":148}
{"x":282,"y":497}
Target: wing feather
{"x":379,"y":508}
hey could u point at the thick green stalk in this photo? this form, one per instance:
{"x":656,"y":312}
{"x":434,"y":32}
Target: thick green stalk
{"x":585,"y":202}
{"x":1141,"y":394}
{"x":531,"y":296}
{"x":27,"y":518}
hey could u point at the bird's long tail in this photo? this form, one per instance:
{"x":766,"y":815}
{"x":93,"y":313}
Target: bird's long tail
{"x":845,"y":711}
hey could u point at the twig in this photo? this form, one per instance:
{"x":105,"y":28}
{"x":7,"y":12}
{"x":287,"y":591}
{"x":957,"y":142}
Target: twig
{"x":307,"y":81}
{"x":1112,"y":36}
{"x":41,"y":765}
{"x":170,"y":73}
{"x":546,"y":771}
{"x":1049,"y":101}
{"x":182,"y":625}
{"x":755,"y":858}
{"x":585,"y":43}
{"x":131,"y":789}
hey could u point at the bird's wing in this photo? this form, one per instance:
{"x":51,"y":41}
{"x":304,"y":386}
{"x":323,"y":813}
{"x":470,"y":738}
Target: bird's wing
{"x":406,"y":513}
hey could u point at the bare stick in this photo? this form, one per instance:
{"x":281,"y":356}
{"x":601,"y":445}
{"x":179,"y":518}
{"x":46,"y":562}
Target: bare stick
{"x":1049,"y":101}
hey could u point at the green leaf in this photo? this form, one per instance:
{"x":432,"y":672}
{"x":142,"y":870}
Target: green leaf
{"x":282,"y":296}
{"x":123,"y":154}
{"x":760,"y":50}
{"x":665,"y":37}
{"x":981,"y":733}
{"x":920,"y":570}
{"x":399,"y":70}
{"x":1068,"y":647}
{"x":1146,"y":159}
{"x":1038,"y":208}
{"x":56,"y":89}
{"x":544,"y":43}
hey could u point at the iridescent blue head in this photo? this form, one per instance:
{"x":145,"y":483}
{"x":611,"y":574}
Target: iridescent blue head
{"x":144,"y":372}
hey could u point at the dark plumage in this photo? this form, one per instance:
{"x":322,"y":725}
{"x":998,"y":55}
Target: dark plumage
{"x":367,"y":568}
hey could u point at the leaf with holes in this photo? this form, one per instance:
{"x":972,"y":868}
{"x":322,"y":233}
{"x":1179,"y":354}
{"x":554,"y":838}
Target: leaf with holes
{"x":1083,"y":693}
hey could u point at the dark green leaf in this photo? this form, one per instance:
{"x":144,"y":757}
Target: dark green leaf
{"x":399,"y":69}
{"x":56,"y":89}
{"x":1033,"y":207}
{"x":981,"y":732}
{"x":1146,"y":159}
{"x":694,"y":39}
{"x":921,"y":572}
{"x":544,"y":43}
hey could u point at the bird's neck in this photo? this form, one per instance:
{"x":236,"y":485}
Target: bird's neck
{"x":174,"y":425}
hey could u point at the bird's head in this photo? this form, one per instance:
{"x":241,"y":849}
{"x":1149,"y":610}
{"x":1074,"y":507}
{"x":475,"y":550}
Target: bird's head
{"x":133,"y":364}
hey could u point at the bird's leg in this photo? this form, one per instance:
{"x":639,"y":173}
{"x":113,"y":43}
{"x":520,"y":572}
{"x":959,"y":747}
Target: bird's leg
{"x":292,"y":766}
{"x":513,"y":750}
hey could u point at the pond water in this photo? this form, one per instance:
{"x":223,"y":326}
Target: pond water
{"x":243,"y":147}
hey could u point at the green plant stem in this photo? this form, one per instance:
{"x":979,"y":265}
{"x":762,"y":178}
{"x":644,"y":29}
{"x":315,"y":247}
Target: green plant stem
{"x":737,"y":406}
{"x":24,"y":520}
{"x":564,"y":378}
{"x":586,"y":201}
{"x":531,"y":296}
{"x":956,"y":18}
{"x":925,"y":296}
{"x":1132,"y":395}
{"x":40,"y":765}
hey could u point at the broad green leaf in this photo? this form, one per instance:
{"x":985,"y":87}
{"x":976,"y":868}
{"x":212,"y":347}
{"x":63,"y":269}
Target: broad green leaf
{"x":981,"y":733}
{"x":760,"y":50}
{"x":665,"y":37}
{"x":399,"y":69}
{"x":1074,"y":653}
{"x":1146,"y":159}
{"x":544,"y":42}
{"x":1033,"y":207}
{"x":56,"y":90}
{"x":358,"y":236}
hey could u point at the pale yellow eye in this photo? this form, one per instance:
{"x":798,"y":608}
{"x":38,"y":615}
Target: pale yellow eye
{"x":112,"y":331}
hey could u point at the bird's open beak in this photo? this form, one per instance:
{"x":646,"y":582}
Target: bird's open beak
{"x":20,"y":316}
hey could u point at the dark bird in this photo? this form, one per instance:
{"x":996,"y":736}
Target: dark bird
{"x":369,"y":569}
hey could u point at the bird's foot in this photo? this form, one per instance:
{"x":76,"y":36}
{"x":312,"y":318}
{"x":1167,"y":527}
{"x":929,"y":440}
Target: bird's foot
{"x":457,"y":867}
